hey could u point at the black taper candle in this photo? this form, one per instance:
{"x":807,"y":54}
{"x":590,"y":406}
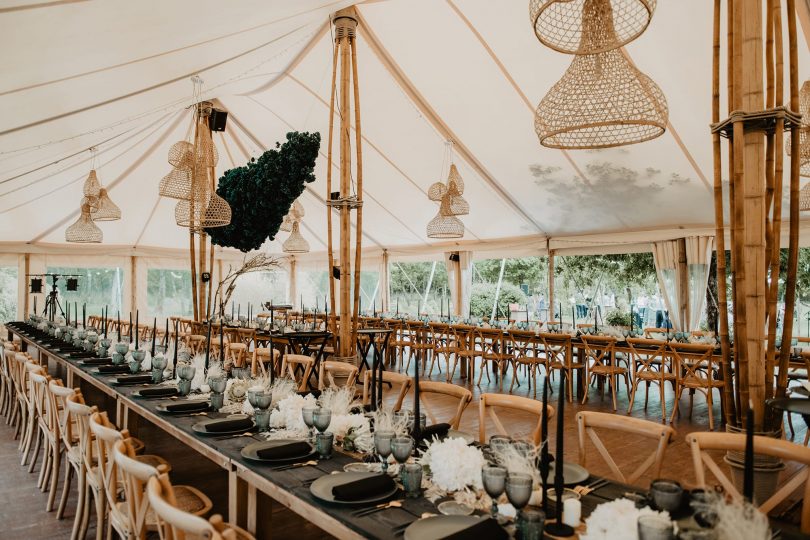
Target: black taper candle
{"x":544,"y":446}
{"x":130,"y":327}
{"x":748,"y":471}
{"x":239,"y":310}
{"x":373,"y":381}
{"x":35,"y":305}
{"x":221,"y":344}
{"x":272,"y":316}
{"x":208,"y":345}
{"x":137,"y":328}
{"x":632,"y":322}
{"x":176,"y":332}
{"x":67,"y":318}
{"x":397,"y":306}
{"x":166,"y":335}
{"x":118,"y":325}
{"x":417,"y":428}
{"x":154,"y":335}
{"x":559,"y":528}
{"x":84,"y":315}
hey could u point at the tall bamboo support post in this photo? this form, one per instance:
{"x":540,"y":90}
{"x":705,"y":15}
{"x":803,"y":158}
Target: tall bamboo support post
{"x":345,"y":22}
{"x":551,"y":302}
{"x":793,"y":243}
{"x":330,"y":258}
{"x":191,"y":248}
{"x":203,"y":254}
{"x":720,"y":233}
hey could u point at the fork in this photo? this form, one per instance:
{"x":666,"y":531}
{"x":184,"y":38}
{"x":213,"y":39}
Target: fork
{"x":593,"y":486}
{"x":246,"y":434}
{"x":368,"y":511}
{"x":294,"y":465}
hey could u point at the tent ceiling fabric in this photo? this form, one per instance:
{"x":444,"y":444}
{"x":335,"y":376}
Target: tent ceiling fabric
{"x":116,"y":75}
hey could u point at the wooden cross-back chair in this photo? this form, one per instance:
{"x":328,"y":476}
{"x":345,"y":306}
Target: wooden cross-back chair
{"x":589,"y":421}
{"x":44,"y":435}
{"x":398,"y":341}
{"x":651,"y":362}
{"x":525,"y":348}
{"x":195,"y":343}
{"x":6,"y":384}
{"x":702,"y":442}
{"x":445,"y":344}
{"x":559,"y":355}
{"x":467,"y":351}
{"x":696,"y":370}
{"x":85,"y":471}
{"x":494,"y":350}
{"x":174,"y":523}
{"x":600,"y":361}
{"x":420,"y":343}
{"x":329,"y":369}
{"x":295,"y":363}
{"x":490,"y":402}
{"x":262,"y":361}
{"x":392,"y":378}
{"x":657,"y":333}
{"x":66,"y":424}
{"x":463,"y":395}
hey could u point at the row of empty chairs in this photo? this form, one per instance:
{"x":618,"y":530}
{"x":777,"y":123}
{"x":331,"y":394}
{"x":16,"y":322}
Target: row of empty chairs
{"x":57,"y":427}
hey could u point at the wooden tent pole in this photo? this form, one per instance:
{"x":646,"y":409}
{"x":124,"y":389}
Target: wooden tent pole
{"x":192,"y":254}
{"x":771,"y":242}
{"x":793,"y":244}
{"x":330,"y":257}
{"x":359,"y":222}
{"x":720,"y":240}
{"x":551,"y":302}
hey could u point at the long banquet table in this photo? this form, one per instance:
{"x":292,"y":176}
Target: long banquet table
{"x":288,"y":487}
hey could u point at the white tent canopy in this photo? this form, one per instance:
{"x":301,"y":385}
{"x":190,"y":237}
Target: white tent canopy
{"x":115,"y":76}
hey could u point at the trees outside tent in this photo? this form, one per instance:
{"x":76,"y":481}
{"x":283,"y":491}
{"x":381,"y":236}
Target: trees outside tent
{"x":168,"y":292}
{"x":8,"y":293}
{"x":419,"y":285}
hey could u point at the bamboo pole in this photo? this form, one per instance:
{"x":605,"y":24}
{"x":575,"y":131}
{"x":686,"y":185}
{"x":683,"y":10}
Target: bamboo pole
{"x":771,"y":239}
{"x":331,"y":321}
{"x":191,"y":224}
{"x":203,"y":251}
{"x":345,"y":218}
{"x":551,"y":302}
{"x":359,"y":223}
{"x":793,"y":244}
{"x":720,"y":240}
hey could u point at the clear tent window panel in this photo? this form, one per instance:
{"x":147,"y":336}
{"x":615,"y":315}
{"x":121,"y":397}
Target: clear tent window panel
{"x":8,"y":293}
{"x":97,"y":287}
{"x":419,"y":286}
{"x":258,"y":288}
{"x":518,"y":284}
{"x":313,"y":289}
{"x":168,"y":292}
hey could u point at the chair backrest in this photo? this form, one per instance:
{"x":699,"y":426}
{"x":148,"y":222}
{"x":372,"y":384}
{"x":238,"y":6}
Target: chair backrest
{"x":490,"y":402}
{"x":702,"y":442}
{"x":174,"y":523}
{"x":694,"y":360}
{"x":649,"y":355}
{"x":599,"y":349}
{"x":463,"y":395}
{"x":135,"y":475}
{"x":39,"y":393}
{"x":82,"y":412}
{"x":58,"y":395}
{"x":107,"y":435}
{"x":588,"y":421}
{"x":328,"y":369}
{"x":524,"y":343}
{"x":261,"y":355}
{"x":656,"y":333}
{"x":392,"y":377}
{"x":557,"y":348}
{"x":289,"y":363}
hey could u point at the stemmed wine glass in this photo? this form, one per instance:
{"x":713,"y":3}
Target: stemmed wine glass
{"x":306,"y":413}
{"x":322,"y":417}
{"x":494,"y":484}
{"x":382,"y":442}
{"x":519,"y":491}
{"x":402,"y":447}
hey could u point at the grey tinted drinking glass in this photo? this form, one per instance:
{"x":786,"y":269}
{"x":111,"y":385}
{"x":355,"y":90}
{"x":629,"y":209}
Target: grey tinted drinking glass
{"x":494,"y":479}
{"x":402,"y":447}
{"x":322,"y":418}
{"x":382,"y":442}
{"x":519,"y":489}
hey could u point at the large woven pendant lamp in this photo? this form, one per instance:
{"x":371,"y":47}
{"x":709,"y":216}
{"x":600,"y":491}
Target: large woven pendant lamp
{"x":560,"y":24}
{"x":445,"y":225}
{"x":104,"y":209}
{"x":83,"y":230}
{"x":295,"y":243}
{"x":804,"y":132}
{"x":602,"y":101}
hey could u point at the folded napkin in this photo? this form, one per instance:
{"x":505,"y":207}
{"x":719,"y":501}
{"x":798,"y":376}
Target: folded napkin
{"x":135,"y":379}
{"x":181,"y":406}
{"x":158,"y":392}
{"x":97,"y":361}
{"x":81,"y":354}
{"x":288,"y":450}
{"x":363,"y":488}
{"x":123,"y":368}
{"x":229,"y":425}
{"x":436,"y":430}
{"x":485,"y":528}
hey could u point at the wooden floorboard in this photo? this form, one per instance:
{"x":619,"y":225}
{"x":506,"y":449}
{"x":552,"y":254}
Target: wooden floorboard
{"x":22,"y":505}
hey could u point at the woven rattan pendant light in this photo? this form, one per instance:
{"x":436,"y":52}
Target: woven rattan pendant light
{"x":84,"y":230}
{"x":176,"y":184}
{"x":295,"y":243}
{"x":804,"y":134}
{"x":91,"y":186}
{"x":601,"y":101}
{"x":104,"y":209}
{"x":804,"y":198}
{"x":561,"y":24}
{"x":181,"y":155}
{"x":445,"y":224}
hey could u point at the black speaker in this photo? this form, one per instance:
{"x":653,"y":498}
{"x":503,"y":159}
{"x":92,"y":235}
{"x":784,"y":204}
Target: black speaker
{"x":36,"y":285}
{"x":336,"y":272}
{"x":72,"y":284}
{"x":454,"y":257}
{"x":217,"y":120}
{"x":206,"y":277}
{"x":335,"y":195}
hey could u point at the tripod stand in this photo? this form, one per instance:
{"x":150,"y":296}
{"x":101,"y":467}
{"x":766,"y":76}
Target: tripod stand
{"x":52,"y":302}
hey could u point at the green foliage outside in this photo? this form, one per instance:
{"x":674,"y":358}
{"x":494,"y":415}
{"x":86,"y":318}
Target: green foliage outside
{"x":261,"y":192}
{"x":168,"y":292}
{"x":483,"y":298}
{"x":616,"y":317}
{"x":98,"y":287}
{"x":8,"y":293}
{"x":408,"y":281}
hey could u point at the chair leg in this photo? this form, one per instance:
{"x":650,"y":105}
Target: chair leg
{"x":98,"y":498}
{"x":33,"y":460}
{"x":711,"y":408}
{"x":612,"y":379}
{"x":55,"y":463}
{"x":80,"y":505}
{"x":60,"y":511}
{"x":663,"y":401}
{"x":633,"y":396}
{"x":678,"y":392}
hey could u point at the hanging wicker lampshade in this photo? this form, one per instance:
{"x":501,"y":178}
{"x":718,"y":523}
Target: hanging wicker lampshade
{"x":602,"y":101}
{"x":562,"y":24}
{"x":105,"y":209}
{"x":286,"y":224}
{"x":176,"y":184}
{"x":295,"y":243}
{"x":181,"y":155}
{"x":804,"y":198}
{"x":445,"y":224}
{"x":459,"y":205}
{"x":804,"y":131}
{"x":91,"y":186}
{"x":217,"y":213}
{"x":437,"y":191}
{"x":84,"y":230}
{"x":454,"y":180}
{"x":205,"y":151}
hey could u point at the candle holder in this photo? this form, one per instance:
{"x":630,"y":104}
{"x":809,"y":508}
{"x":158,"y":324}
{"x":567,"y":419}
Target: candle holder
{"x":103,"y":347}
{"x":382,"y":443}
{"x":92,"y":339}
{"x":135,"y":360}
{"x":186,"y":372}
{"x":217,"y":385}
{"x":159,"y":363}
{"x":261,"y":401}
{"x":323,"y":444}
{"x":122,"y":348}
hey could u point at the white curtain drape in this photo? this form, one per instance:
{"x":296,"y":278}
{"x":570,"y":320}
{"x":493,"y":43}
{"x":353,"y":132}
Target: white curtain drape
{"x":665,"y":255}
{"x":698,"y":259}
{"x":459,"y":277}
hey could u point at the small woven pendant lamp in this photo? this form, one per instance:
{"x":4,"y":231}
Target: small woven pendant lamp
{"x":804,"y":134}
{"x":445,"y":224}
{"x":561,"y":24}
{"x":104,"y":209}
{"x":91,"y":186}
{"x":295,"y":243}
{"x":84,"y":230}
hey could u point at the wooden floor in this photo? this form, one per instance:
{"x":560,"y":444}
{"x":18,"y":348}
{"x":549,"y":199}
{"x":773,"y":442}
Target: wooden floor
{"x":22,"y":505}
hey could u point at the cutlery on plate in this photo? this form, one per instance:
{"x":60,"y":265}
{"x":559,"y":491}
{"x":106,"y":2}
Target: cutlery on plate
{"x":593,"y":486}
{"x":294,"y":465}
{"x":366,"y":511}
{"x":245,"y":434}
